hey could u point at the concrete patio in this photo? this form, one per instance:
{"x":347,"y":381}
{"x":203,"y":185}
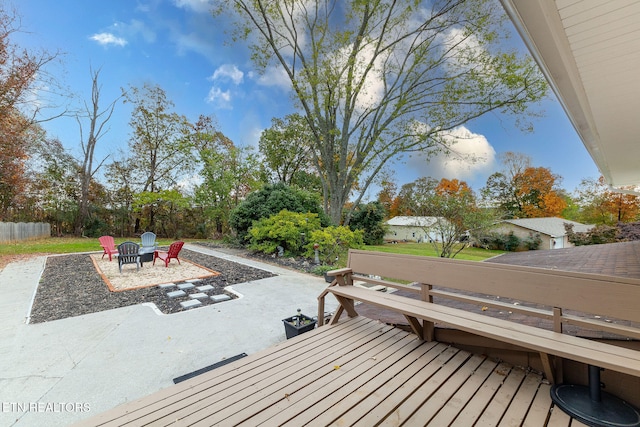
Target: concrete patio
{"x":59,"y":372}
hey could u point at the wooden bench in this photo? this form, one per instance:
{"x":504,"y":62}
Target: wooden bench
{"x":562,"y":298}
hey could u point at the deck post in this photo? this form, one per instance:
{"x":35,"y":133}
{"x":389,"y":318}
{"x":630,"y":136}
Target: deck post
{"x":557,"y":319}
{"x":321,"y":309}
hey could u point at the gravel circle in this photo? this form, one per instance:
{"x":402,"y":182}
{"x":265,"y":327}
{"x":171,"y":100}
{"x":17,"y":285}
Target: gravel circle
{"x":71,"y":286}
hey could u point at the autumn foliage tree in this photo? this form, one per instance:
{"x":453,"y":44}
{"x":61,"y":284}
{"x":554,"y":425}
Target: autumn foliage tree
{"x":13,"y":155}
{"x":536,"y":190}
{"x":601,"y":205}
{"x":524,"y":191}
{"x":18,"y":72}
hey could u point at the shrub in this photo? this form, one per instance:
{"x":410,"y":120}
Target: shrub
{"x":628,"y":231}
{"x":499,"y":241}
{"x":370,"y":218}
{"x":285,"y":229}
{"x":270,"y":200}
{"x":333,"y":242}
{"x":532,"y":242}
{"x":320,"y":270}
{"x":95,"y":227}
{"x":597,"y":235}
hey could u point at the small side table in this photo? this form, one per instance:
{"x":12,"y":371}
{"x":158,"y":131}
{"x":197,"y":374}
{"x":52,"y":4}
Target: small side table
{"x":592,"y":406}
{"x":147,"y":257}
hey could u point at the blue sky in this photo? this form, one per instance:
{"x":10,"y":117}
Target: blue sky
{"x":178,"y":45}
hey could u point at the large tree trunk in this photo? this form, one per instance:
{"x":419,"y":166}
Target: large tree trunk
{"x":97,"y":120}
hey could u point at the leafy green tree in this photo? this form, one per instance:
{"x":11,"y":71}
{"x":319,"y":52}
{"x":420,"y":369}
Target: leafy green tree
{"x":57,"y":186}
{"x":160,"y":146}
{"x":268,"y":201}
{"x":285,"y":147}
{"x":370,"y":219}
{"x":452,"y":203}
{"x":121,"y":192}
{"x":309,"y":181}
{"x":168,"y":205}
{"x":378,"y":79}
{"x":287,"y":230}
{"x":229,"y":173}
{"x":572,"y":210}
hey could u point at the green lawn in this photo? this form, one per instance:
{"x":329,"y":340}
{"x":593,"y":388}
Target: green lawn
{"x":426,"y":249}
{"x":64,"y":245}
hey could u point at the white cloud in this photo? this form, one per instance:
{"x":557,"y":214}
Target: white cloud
{"x":192,"y":42}
{"x":119,"y":33}
{"x":134,"y":28}
{"x":471,"y":155}
{"x":250,"y":132}
{"x":272,"y":77}
{"x":106,"y":39}
{"x":228,"y":72}
{"x":463,"y":50}
{"x":200,"y":6}
{"x":220,"y":98}
{"x":373,"y":89}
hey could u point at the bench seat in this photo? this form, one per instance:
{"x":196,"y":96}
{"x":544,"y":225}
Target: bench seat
{"x":537,"y":339}
{"x":547,"y":312}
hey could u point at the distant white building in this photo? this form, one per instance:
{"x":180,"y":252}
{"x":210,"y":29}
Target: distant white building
{"x":551,"y":230}
{"x":411,"y":229}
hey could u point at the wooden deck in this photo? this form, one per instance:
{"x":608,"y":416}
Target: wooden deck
{"x":359,"y":372}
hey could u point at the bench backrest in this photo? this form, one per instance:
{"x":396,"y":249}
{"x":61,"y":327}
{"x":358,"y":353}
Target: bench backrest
{"x":616,"y":297}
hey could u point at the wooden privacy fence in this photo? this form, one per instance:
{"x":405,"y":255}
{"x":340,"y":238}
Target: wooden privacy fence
{"x":18,"y":231}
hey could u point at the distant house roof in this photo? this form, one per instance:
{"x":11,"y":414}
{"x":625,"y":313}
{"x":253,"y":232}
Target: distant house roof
{"x":550,"y":226}
{"x":413,"y":221}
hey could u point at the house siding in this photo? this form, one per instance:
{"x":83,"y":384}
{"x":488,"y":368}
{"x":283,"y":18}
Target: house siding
{"x":407,"y":233}
{"x":548,"y":242}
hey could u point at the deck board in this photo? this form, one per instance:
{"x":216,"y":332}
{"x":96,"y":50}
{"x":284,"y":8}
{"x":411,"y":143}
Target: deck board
{"x":539,"y":412}
{"x":289,"y":379}
{"x":464,"y":394}
{"x":524,"y":397}
{"x":358,"y":372}
{"x":439,"y":400}
{"x":356,"y":383}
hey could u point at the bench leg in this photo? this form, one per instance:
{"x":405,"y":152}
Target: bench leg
{"x":348,"y":305}
{"x":336,"y":315}
{"x":416,"y":327}
{"x":428,"y":331}
{"x":547,"y":367}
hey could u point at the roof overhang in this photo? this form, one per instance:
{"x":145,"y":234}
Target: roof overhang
{"x":589,"y":51}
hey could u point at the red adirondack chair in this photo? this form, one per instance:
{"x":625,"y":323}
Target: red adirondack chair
{"x":108,"y":245}
{"x":174,"y":250}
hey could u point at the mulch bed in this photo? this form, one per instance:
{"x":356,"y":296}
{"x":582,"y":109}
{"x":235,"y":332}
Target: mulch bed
{"x":71,"y":286}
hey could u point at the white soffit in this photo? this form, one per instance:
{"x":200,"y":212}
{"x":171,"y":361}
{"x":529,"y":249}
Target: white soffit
{"x":589,"y":51}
